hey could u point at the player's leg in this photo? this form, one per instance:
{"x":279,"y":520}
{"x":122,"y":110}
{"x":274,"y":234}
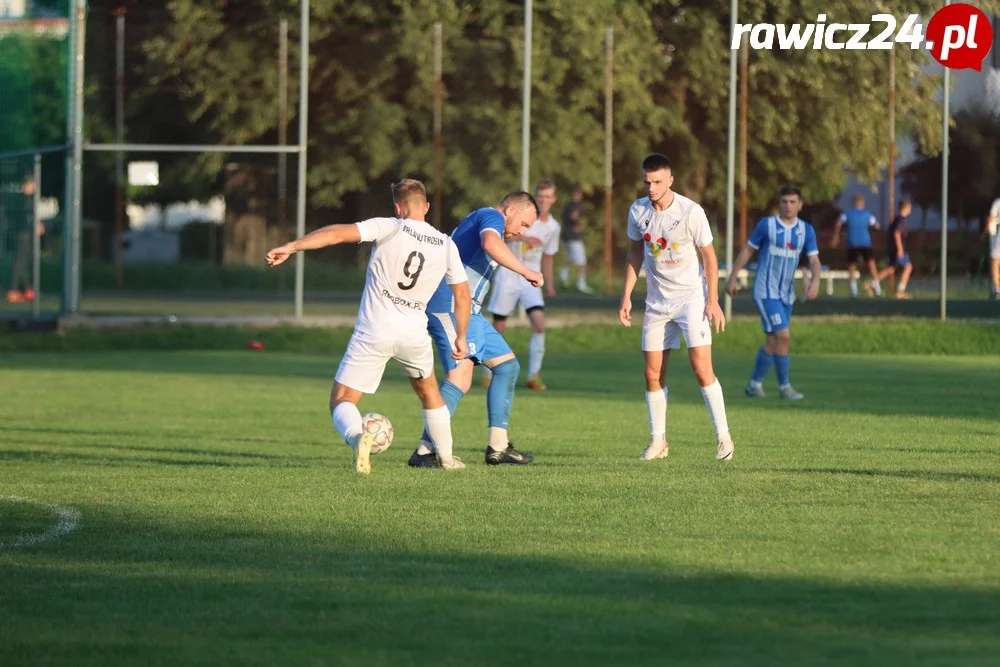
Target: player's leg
{"x":995,"y":273}
{"x":360,"y":372}
{"x":580,"y":259}
{"x":852,"y":271}
{"x":697,"y":332}
{"x":457,"y":374}
{"x":765,"y":355}
{"x":873,"y":272}
{"x":503,"y":303}
{"x":498,"y":356}
{"x":534,"y":305}
{"x":781,"y":317}
{"x":416,"y":359}
{"x":904,"y":279}
{"x":659,"y":335}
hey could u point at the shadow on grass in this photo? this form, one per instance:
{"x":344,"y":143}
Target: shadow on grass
{"x":931,"y":475}
{"x":133,"y":589}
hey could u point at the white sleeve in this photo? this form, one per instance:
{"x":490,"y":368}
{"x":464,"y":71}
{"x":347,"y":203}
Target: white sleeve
{"x":995,"y":209}
{"x":552,"y":245}
{"x":455,"y":271}
{"x":872,"y":221}
{"x":634,"y":232}
{"x":842,"y":219}
{"x":701,"y":231}
{"x":376,"y":229}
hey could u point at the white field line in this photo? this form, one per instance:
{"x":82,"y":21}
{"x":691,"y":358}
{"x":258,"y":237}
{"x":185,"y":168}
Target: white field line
{"x":69,"y":517}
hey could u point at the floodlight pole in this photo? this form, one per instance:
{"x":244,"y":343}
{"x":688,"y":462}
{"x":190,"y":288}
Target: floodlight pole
{"x":74,"y":183}
{"x":946,"y":115}
{"x":731,"y":167}
{"x":36,"y":239}
{"x":526,"y":98}
{"x":300,"y":214}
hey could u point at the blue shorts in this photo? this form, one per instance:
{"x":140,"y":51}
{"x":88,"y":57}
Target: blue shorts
{"x":485,"y":342}
{"x":775,"y":315}
{"x":894,"y":260}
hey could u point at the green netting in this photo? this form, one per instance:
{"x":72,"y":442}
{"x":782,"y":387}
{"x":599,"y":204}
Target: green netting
{"x":34,"y":60}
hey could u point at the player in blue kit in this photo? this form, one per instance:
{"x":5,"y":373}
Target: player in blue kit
{"x":481,"y":239}
{"x":859,"y":223}
{"x":780,"y":241}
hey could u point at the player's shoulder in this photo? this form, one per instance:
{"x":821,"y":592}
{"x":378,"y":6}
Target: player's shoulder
{"x":640,"y":207}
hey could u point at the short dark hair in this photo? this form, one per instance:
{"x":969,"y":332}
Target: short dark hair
{"x":520,"y":198}
{"x":407,"y":189}
{"x":656,"y":162}
{"x":545,"y":184}
{"x":789,"y":190}
{"x":904,"y":202}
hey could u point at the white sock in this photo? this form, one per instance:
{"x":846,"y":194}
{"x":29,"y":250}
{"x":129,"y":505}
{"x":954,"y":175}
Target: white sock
{"x":536,"y":352}
{"x":498,"y":438}
{"x":716,"y":404}
{"x":877,"y":286}
{"x":854,"y":287}
{"x":656,"y":404}
{"x":564,"y":274}
{"x":347,"y":420}
{"x":438,"y":423}
{"x":902,"y":286}
{"x":581,"y":282}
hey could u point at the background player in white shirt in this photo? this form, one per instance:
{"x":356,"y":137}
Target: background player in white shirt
{"x":536,"y":248}
{"x":668,"y":231}
{"x":408,"y":263}
{"x":993,"y":232}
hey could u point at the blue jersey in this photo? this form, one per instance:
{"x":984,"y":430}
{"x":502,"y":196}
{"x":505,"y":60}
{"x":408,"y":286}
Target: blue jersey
{"x":779,"y":247}
{"x":468,"y":236}
{"x":858,"y":222}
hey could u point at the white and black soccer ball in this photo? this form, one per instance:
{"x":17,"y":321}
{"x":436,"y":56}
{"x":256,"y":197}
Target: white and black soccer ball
{"x":380,"y":428}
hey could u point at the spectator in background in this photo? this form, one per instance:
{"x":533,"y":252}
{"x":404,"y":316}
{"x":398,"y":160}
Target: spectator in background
{"x":895,"y":250}
{"x":572,"y":234}
{"x":858,"y":221}
{"x":992,"y":232}
{"x":18,"y":211}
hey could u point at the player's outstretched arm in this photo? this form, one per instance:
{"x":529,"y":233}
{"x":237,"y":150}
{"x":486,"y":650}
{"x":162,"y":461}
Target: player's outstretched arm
{"x":733,"y":283}
{"x":712,"y":309}
{"x":321,"y":238}
{"x":502,"y":255}
{"x":463,"y":310}
{"x":835,"y":239}
{"x":632,"y":264}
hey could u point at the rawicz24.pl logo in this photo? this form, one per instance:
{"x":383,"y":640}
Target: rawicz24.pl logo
{"x":958,"y":36}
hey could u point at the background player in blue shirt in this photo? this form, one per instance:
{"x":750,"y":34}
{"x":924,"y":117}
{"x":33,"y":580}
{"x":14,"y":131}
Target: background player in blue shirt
{"x":858,"y":221}
{"x":481,"y":239}
{"x":780,"y":241}
{"x":895,"y":250}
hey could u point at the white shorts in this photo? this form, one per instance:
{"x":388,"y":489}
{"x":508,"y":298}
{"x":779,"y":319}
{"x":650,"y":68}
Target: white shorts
{"x":365,"y":358}
{"x":662,"y":331}
{"x":511,"y":288}
{"x":576,"y":253}
{"x":995,"y":250}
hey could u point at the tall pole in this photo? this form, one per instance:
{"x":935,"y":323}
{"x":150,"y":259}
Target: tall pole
{"x":438,"y":102}
{"x":119,"y":138}
{"x":36,"y":239}
{"x":282,"y":124}
{"x":946,"y":121}
{"x":609,"y":49}
{"x":300,"y":212}
{"x":892,"y":151}
{"x":73,"y":212}
{"x":731,"y":165}
{"x":744,"y":103}
{"x":526,"y":100}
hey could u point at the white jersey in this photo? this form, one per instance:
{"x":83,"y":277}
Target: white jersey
{"x":994,"y":230}
{"x":671,"y":239}
{"x":408,"y":263}
{"x":546,"y":231}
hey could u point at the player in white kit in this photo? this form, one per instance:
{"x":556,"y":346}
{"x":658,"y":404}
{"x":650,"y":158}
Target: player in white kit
{"x":536,"y":248}
{"x":409,"y":261}
{"x":992,"y":230}
{"x":668,"y":232}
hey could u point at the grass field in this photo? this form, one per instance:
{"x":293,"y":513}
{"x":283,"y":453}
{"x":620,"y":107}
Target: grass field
{"x":220,"y":522}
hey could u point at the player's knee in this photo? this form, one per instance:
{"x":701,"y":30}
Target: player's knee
{"x":507,"y":371}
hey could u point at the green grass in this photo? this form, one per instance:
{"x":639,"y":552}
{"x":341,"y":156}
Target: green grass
{"x":221,"y":523}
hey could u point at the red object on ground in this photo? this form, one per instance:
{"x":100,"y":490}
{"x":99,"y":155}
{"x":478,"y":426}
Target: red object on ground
{"x":255,"y":345}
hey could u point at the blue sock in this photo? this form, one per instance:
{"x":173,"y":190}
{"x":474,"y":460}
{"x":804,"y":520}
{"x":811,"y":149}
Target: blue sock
{"x":500,"y":395}
{"x":781,"y":368}
{"x":761,"y":367}
{"x":451,"y":395}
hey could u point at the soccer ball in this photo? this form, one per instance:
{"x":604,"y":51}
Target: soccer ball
{"x":379,"y":428}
